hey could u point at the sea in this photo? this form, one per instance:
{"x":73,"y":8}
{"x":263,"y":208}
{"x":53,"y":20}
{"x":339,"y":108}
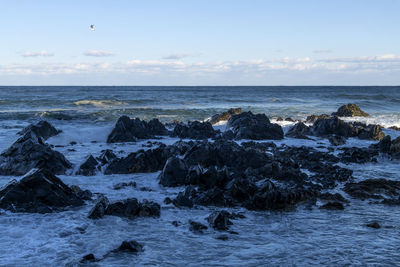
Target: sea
{"x":301,"y":237}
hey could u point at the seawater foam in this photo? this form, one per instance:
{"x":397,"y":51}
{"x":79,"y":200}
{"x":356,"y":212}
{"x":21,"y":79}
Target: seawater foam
{"x":100,"y":103}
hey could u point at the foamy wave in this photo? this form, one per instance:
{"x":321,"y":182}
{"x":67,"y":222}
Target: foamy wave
{"x":383,"y":120}
{"x":100,"y":103}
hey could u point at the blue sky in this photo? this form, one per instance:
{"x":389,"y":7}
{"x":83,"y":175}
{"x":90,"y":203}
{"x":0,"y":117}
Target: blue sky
{"x":341,"y":42}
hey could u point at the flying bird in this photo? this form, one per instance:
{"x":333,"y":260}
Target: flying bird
{"x":92,"y":27}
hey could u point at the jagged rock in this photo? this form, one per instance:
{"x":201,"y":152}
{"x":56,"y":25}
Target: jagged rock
{"x":106,"y":156}
{"x":129,"y":130}
{"x":388,"y":146}
{"x":39,"y":191}
{"x":197,"y":227}
{"x":99,"y":208}
{"x":358,"y":155}
{"x":373,"y":188}
{"x":337,"y":140}
{"x":224,"y":116}
{"x":350,"y":110}
{"x":129,"y":246}
{"x":184,"y":199}
{"x":174,"y":172}
{"x":371,"y":132}
{"x":28,"y":152}
{"x":334,"y":125}
{"x":89,"y":167}
{"x":299,"y":130}
{"x":88,"y":258}
{"x":122,"y":185}
{"x":219,"y":220}
{"x":194,"y":130}
{"x":332,"y":206}
{"x":314,"y":118}
{"x":374,"y":225}
{"x":83,"y":194}
{"x":41,"y":129}
{"x":258,"y":127}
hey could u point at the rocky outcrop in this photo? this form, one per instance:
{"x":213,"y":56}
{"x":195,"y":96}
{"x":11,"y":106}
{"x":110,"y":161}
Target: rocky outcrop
{"x":39,"y":191}
{"x":358,"y":155}
{"x":106,"y":156}
{"x":41,"y":129}
{"x":300,"y":131}
{"x":388,"y":146}
{"x":350,"y":110}
{"x":129,"y":246}
{"x":89,"y":167}
{"x":28,"y":152}
{"x":373,"y":189}
{"x":225,"y":116}
{"x":314,"y":118}
{"x":194,"y":130}
{"x":197,"y":227}
{"x":337,"y":140}
{"x":219,"y":220}
{"x":130,"y":130}
{"x":257,"y":127}
{"x":174,"y":172}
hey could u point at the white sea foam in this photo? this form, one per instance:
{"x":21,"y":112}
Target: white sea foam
{"x":100,"y":103}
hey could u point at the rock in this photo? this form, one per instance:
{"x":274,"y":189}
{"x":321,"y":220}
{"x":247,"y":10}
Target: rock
{"x":358,"y":155}
{"x":194,"y":130}
{"x":219,"y":220}
{"x":225,"y":115}
{"x":371,"y":132}
{"x":333,"y":197}
{"x":106,"y":156}
{"x":122,"y":185}
{"x":39,"y":191}
{"x":337,"y":140}
{"x":99,"y":208}
{"x":333,"y":125}
{"x":257,"y":127}
{"x":184,"y":199}
{"x":197,"y":227}
{"x":222,"y":237}
{"x":332,"y":206}
{"x":132,"y":208}
{"x":289,"y":119}
{"x":83,"y":194}
{"x":129,"y":246}
{"x":174,"y":172}
{"x":89,"y":167}
{"x":299,"y":130}
{"x":41,"y":129}
{"x":394,"y":128}
{"x":374,"y":225}
{"x":350,"y":110}
{"x":373,"y":188}
{"x":176,"y":223}
{"x":88,"y":258}
{"x":30,"y":152}
{"x":314,"y":118}
{"x":129,"y":130}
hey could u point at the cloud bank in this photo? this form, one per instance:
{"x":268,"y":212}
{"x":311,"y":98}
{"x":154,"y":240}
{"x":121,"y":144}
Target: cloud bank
{"x":98,"y":53}
{"x":37,"y":54}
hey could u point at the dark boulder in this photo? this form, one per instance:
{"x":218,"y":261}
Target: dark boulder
{"x":258,"y":127}
{"x":197,"y":227}
{"x":332,"y":206}
{"x":174,"y":172}
{"x":132,"y":208}
{"x":350,"y":110}
{"x":129,"y":246}
{"x":299,"y":130}
{"x":184,"y":199}
{"x":123,"y":185}
{"x":88,"y":258}
{"x":358,"y":155}
{"x":39,"y":191}
{"x":99,"y":208}
{"x":334,"y":125}
{"x":314,"y":118}
{"x":337,"y":140}
{"x":194,"y":130}
{"x":89,"y":167}
{"x":224,"y":116}
{"x":371,"y":132}
{"x":41,"y":129}
{"x":129,"y":130}
{"x":106,"y":156}
{"x":333,"y":197}
{"x":374,"y":225}
{"x":219,"y":220}
{"x":373,"y":188}
{"x":29,"y":152}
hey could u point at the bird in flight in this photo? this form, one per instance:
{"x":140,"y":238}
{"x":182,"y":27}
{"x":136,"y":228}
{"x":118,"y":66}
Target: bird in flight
{"x":92,"y":27}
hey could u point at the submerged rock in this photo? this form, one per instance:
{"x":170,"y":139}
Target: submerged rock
{"x":374,"y":225}
{"x":41,"y":129}
{"x":350,"y":110}
{"x":257,"y":127}
{"x":29,"y":152}
{"x":299,"y":130}
{"x":194,"y":130}
{"x":332,"y":206}
{"x":219,"y":220}
{"x":39,"y":191}
{"x":129,"y":130}
{"x":224,"y":116}
{"x":373,"y":188}
{"x":197,"y":227}
{"x":88,"y":258}
{"x":129,"y":246}
{"x":99,"y":208}
{"x":89,"y":167}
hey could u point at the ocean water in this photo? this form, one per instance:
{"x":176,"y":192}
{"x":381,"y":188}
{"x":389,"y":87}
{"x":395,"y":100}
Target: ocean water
{"x":302,"y":237}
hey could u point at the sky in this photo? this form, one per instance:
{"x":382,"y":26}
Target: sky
{"x":187,"y":42}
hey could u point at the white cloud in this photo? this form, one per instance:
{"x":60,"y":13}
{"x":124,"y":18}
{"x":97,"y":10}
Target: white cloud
{"x":364,"y":59}
{"x":98,"y":53}
{"x":179,"y":56}
{"x":37,"y":54}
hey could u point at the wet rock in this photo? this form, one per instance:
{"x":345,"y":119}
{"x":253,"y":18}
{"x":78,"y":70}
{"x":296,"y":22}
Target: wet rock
{"x":299,"y":130}
{"x":99,"y":208}
{"x":129,"y":246}
{"x":257,"y":127}
{"x":184,"y":199}
{"x":30,"y":152}
{"x":333,"y":197}
{"x":334,"y":125}
{"x":358,"y":155}
{"x":132,"y":208}
{"x":89,"y":167}
{"x":88,"y":258}
{"x":332,"y":206}
{"x":196,"y":227}
{"x":123,"y":185}
{"x":41,"y":129}
{"x":289,"y":119}
{"x":388,"y":146}
{"x":174,"y":172}
{"x":224,"y":116}
{"x":219,"y":220}
{"x":394,"y":128}
{"x":129,"y":130}
{"x":83,"y":194}
{"x":106,"y":156}
{"x":176,"y":223}
{"x":39,"y":191}
{"x":350,"y":110}
{"x":373,"y":188}
{"x":222,"y":237}
{"x":371,"y":132}
{"x":374,"y":225}
{"x":337,"y":140}
{"x":194,"y":130}
{"x":314,"y":118}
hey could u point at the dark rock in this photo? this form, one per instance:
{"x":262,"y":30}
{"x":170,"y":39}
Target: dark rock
{"x":289,"y":119}
{"x":333,"y":197}
{"x":106,"y":156}
{"x":332,"y":206}
{"x":83,"y":194}
{"x":184,"y":199}
{"x":41,"y":129}
{"x":373,"y":188}
{"x":337,"y":140}
{"x":388,"y":146}
{"x":219,"y":220}
{"x":194,"y":130}
{"x":132,"y":208}
{"x":314,"y":118}
{"x":123,"y":185}
{"x":334,"y":125}
{"x":129,"y":130}
{"x":30,"y":152}
{"x":129,"y":246}
{"x":99,"y":208}
{"x":394,"y":128}
{"x":39,"y":191}
{"x":89,"y":167}
{"x":167,"y":200}
{"x":88,"y":258}
{"x":224,"y":116}
{"x":299,"y":130}
{"x":350,"y":110}
{"x":258,"y":127}
{"x":176,"y":223}
{"x":174,"y":172}
{"x":358,"y":155}
{"x":222,"y":237}
{"x":371,"y":132}
{"x":197,"y":227}
{"x":374,"y":225}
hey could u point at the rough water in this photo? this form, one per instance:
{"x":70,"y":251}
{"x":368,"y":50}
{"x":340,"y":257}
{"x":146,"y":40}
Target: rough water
{"x":305,"y":236}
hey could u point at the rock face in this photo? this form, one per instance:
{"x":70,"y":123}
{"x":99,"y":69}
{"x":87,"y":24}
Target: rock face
{"x":89,"y":167}
{"x":41,"y":129}
{"x":39,"y":191}
{"x":28,"y":152}
{"x":257,"y":127}
{"x":350,"y":110}
{"x":129,"y":130}
{"x":174,"y":172}
{"x":388,"y":146}
{"x":224,"y":116}
{"x":130,"y":208}
{"x":374,"y":188}
{"x":194,"y":130}
{"x":299,"y":130}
